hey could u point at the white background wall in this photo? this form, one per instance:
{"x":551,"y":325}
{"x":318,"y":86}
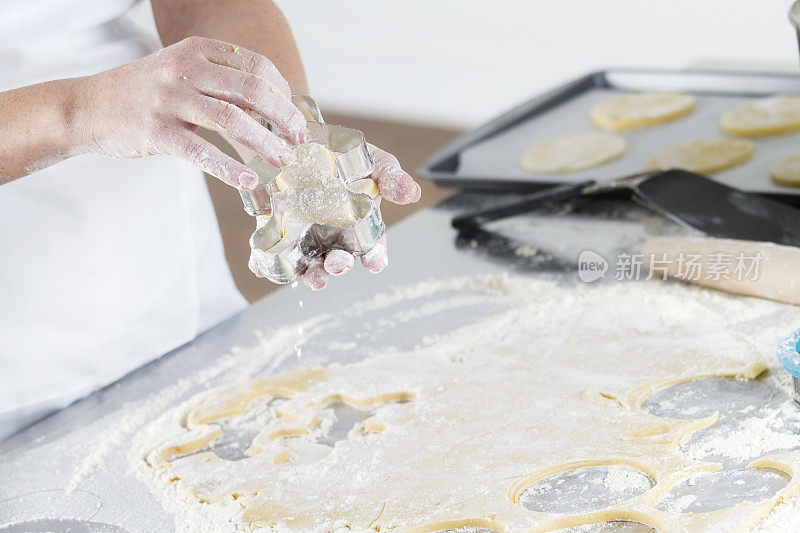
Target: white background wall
{"x":460,"y":62}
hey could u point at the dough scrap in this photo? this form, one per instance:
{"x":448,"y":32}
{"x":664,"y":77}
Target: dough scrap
{"x":640,"y":110}
{"x":364,"y":186}
{"x":572,"y":153}
{"x":461,"y":427}
{"x":703,"y":156}
{"x":763,"y":118}
{"x":787,"y":171}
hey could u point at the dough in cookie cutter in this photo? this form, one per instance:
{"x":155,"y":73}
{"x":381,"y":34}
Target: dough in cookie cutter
{"x":282,"y":257}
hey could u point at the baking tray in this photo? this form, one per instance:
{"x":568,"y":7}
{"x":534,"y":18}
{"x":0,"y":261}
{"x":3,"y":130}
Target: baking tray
{"x":488,"y":157}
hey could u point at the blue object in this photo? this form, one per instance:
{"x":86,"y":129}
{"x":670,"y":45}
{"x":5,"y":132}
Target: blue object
{"x":789,"y":354}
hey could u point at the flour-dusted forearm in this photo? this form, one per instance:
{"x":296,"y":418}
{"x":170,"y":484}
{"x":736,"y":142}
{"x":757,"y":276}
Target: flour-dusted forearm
{"x":38,"y":126}
{"x":154,"y":106}
{"x":255,"y":24}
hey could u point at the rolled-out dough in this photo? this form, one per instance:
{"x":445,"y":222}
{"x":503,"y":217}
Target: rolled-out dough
{"x":640,"y":110}
{"x":704,"y":156}
{"x":762,"y":118}
{"x":457,"y":430}
{"x":571,"y":153}
{"x":787,"y":171}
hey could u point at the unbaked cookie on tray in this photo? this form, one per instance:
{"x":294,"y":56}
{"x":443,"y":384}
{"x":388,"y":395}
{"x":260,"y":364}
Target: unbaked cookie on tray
{"x":703,"y":156}
{"x":640,"y":110}
{"x":787,"y":171}
{"x":763,"y":118}
{"x":571,"y":153}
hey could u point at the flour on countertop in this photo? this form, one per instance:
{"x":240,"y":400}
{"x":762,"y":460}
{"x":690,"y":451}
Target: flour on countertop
{"x":271,"y":351}
{"x":562,"y":236}
{"x":238,"y":364}
{"x":754,"y":436}
{"x":758,"y":322}
{"x":623,"y":479}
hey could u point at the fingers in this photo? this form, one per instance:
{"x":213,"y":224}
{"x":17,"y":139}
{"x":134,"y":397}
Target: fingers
{"x":316,"y":277}
{"x":253,"y":266}
{"x":394,"y":183}
{"x":338,"y":262}
{"x":376,"y":259}
{"x":250,"y":91}
{"x":226,"y":117}
{"x":231,"y":55}
{"x":192,"y":148}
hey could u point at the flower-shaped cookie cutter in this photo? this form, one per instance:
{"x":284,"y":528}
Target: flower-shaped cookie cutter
{"x":285,"y":262}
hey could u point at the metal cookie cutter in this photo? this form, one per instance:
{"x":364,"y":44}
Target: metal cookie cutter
{"x":789,"y":357}
{"x":284,"y":262}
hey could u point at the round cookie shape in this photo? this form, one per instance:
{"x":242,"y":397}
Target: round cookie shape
{"x":640,"y":110}
{"x":571,"y":153}
{"x":787,"y":171}
{"x":763,"y":118}
{"x":703,"y":156}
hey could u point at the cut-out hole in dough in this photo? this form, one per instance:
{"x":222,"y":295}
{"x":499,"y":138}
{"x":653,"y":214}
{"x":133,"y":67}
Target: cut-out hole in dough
{"x":50,"y":525}
{"x":722,"y":489}
{"x":585,"y":489}
{"x":755,"y":419}
{"x":238,"y":431}
{"x":736,"y":439}
{"x":614,"y":526}
{"x":346,"y":417}
{"x":701,"y":398}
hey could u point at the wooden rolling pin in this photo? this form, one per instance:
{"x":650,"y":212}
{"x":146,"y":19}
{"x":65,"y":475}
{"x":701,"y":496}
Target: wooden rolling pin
{"x":778,"y":271}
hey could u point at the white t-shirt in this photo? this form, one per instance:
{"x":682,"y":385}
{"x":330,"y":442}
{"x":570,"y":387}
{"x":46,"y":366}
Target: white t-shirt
{"x":104,"y":264}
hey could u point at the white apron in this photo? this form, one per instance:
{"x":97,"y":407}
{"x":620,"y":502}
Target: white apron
{"x":104,"y":264}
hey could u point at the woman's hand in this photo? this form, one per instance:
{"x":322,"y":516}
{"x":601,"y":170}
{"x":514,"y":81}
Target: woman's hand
{"x":155,"y":105}
{"x":394,"y":184}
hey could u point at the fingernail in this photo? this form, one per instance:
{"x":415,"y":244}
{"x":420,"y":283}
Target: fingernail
{"x":418,"y":193}
{"x":248,"y":180}
{"x":377,"y":259}
{"x":338,"y":262}
{"x":286,"y":155}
